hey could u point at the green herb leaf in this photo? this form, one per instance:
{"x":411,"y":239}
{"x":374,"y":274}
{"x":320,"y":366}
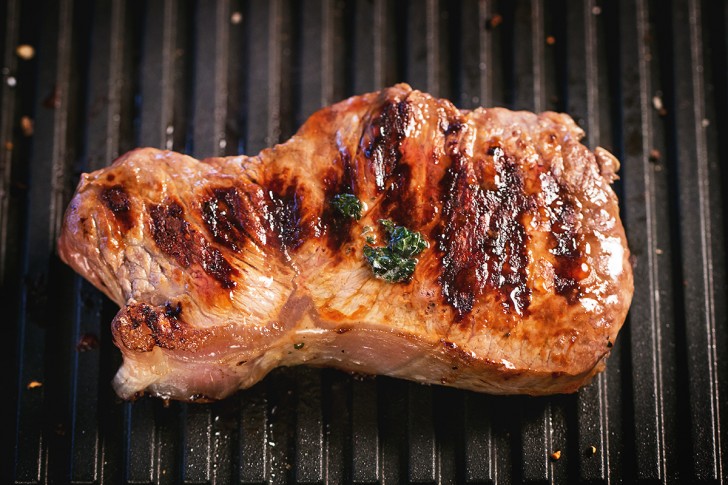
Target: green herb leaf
{"x":348,"y":205}
{"x":406,"y":243}
{"x":396,"y":262}
{"x":389,"y":266}
{"x":388,"y":226}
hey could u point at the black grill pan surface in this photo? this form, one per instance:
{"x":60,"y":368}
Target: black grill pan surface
{"x":647,"y":80}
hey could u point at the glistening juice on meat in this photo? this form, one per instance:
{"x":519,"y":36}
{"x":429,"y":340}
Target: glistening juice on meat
{"x":393,"y":234}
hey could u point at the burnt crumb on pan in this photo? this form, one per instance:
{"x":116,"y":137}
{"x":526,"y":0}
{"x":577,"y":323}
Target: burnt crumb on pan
{"x":494,"y":21}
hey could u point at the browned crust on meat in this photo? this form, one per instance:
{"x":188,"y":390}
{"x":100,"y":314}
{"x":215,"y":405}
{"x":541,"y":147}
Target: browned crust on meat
{"x":141,"y":327}
{"x":526,"y":248}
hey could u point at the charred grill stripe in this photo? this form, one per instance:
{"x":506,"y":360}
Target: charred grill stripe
{"x":338,"y":228}
{"x":340,"y":178}
{"x":566,"y":249}
{"x":464,"y":268}
{"x":383,"y":140}
{"x":285,"y":214}
{"x":398,"y":201}
{"x":221,"y":215}
{"x":175,"y":238}
{"x":232,"y":219}
{"x":172,"y":233}
{"x":117,"y":200}
{"x":508,"y":251}
{"x":484,"y":240}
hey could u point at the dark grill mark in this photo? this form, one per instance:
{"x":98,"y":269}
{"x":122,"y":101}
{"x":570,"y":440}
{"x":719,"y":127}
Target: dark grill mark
{"x":568,"y":270}
{"x":174,"y":237}
{"x":384,"y":139}
{"x":222,"y":216}
{"x":117,"y":200}
{"x":337,"y":226}
{"x":172,"y":233}
{"x":340,"y":178}
{"x":398,"y":201}
{"x":484,"y":241}
{"x":284,"y":215}
{"x":232,"y":219}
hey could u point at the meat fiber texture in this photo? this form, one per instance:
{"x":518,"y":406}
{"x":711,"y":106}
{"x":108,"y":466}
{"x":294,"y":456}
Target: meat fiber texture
{"x":226,"y":268}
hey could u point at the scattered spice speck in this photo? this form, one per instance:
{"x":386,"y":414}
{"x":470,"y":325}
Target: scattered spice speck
{"x":556,"y":455}
{"x":34,"y":385}
{"x":655,"y":155}
{"x":593,"y":450}
{"x":8,"y":145}
{"x":298,"y":346}
{"x":550,"y":40}
{"x":53,"y":99}
{"x":657,"y":103}
{"x":494,"y":21}
{"x":88,"y":341}
{"x":26,"y":125}
{"x":25,"y":52}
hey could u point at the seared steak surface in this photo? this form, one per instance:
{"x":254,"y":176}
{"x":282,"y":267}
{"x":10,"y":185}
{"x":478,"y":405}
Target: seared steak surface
{"x":228,"y":267}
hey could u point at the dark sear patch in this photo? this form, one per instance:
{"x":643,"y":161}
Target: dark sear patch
{"x":143,"y":327}
{"x":175,"y":238}
{"x":398,"y":200}
{"x":568,"y":268}
{"x":383,"y":139}
{"x":222,"y":214}
{"x":484,"y":241}
{"x":284,"y":214}
{"x":340,"y":178}
{"x":173,"y":311}
{"x":232,"y":218}
{"x":117,"y":200}
{"x":172,"y":233}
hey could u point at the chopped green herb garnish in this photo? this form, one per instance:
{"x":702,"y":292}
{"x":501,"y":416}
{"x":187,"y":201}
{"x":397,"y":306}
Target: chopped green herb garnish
{"x":395,"y":262}
{"x":348,"y":205}
{"x":371,"y":238}
{"x":406,"y":243}
{"x":388,"y":226}
{"x":298,"y":346}
{"x":388,"y":265}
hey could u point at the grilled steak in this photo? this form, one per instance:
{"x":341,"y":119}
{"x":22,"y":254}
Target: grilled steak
{"x":228,"y":267}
